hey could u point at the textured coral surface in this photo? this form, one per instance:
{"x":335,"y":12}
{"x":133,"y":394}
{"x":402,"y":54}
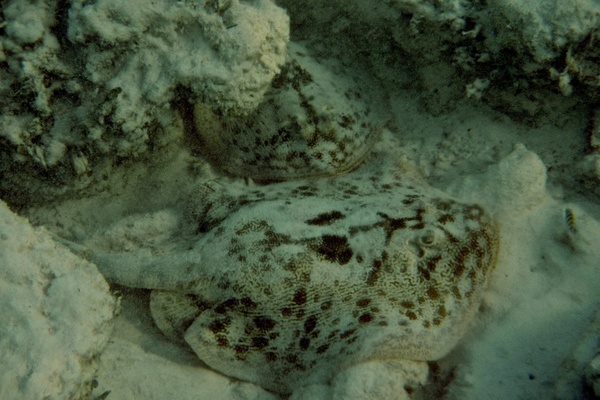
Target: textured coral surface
{"x":152,"y":137}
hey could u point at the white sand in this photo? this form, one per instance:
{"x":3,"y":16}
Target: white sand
{"x":537,"y":331}
{"x":56,"y":315}
{"x":542,"y":297}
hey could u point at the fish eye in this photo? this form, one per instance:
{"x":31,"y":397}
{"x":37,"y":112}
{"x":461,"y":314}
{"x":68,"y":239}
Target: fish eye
{"x":428,"y":238}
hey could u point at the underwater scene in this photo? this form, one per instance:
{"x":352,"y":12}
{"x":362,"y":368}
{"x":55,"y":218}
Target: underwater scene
{"x":304,"y":200}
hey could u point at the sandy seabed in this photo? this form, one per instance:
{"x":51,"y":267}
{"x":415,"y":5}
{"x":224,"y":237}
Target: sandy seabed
{"x":535,"y":336}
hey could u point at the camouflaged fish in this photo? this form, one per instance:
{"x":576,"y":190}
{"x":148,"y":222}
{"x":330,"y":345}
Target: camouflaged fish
{"x":288,"y":283}
{"x":312,"y":122}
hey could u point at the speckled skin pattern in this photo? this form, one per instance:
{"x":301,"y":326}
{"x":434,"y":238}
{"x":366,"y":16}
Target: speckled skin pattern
{"x":310,"y":123}
{"x":287,"y":283}
{"x":303,"y":278}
